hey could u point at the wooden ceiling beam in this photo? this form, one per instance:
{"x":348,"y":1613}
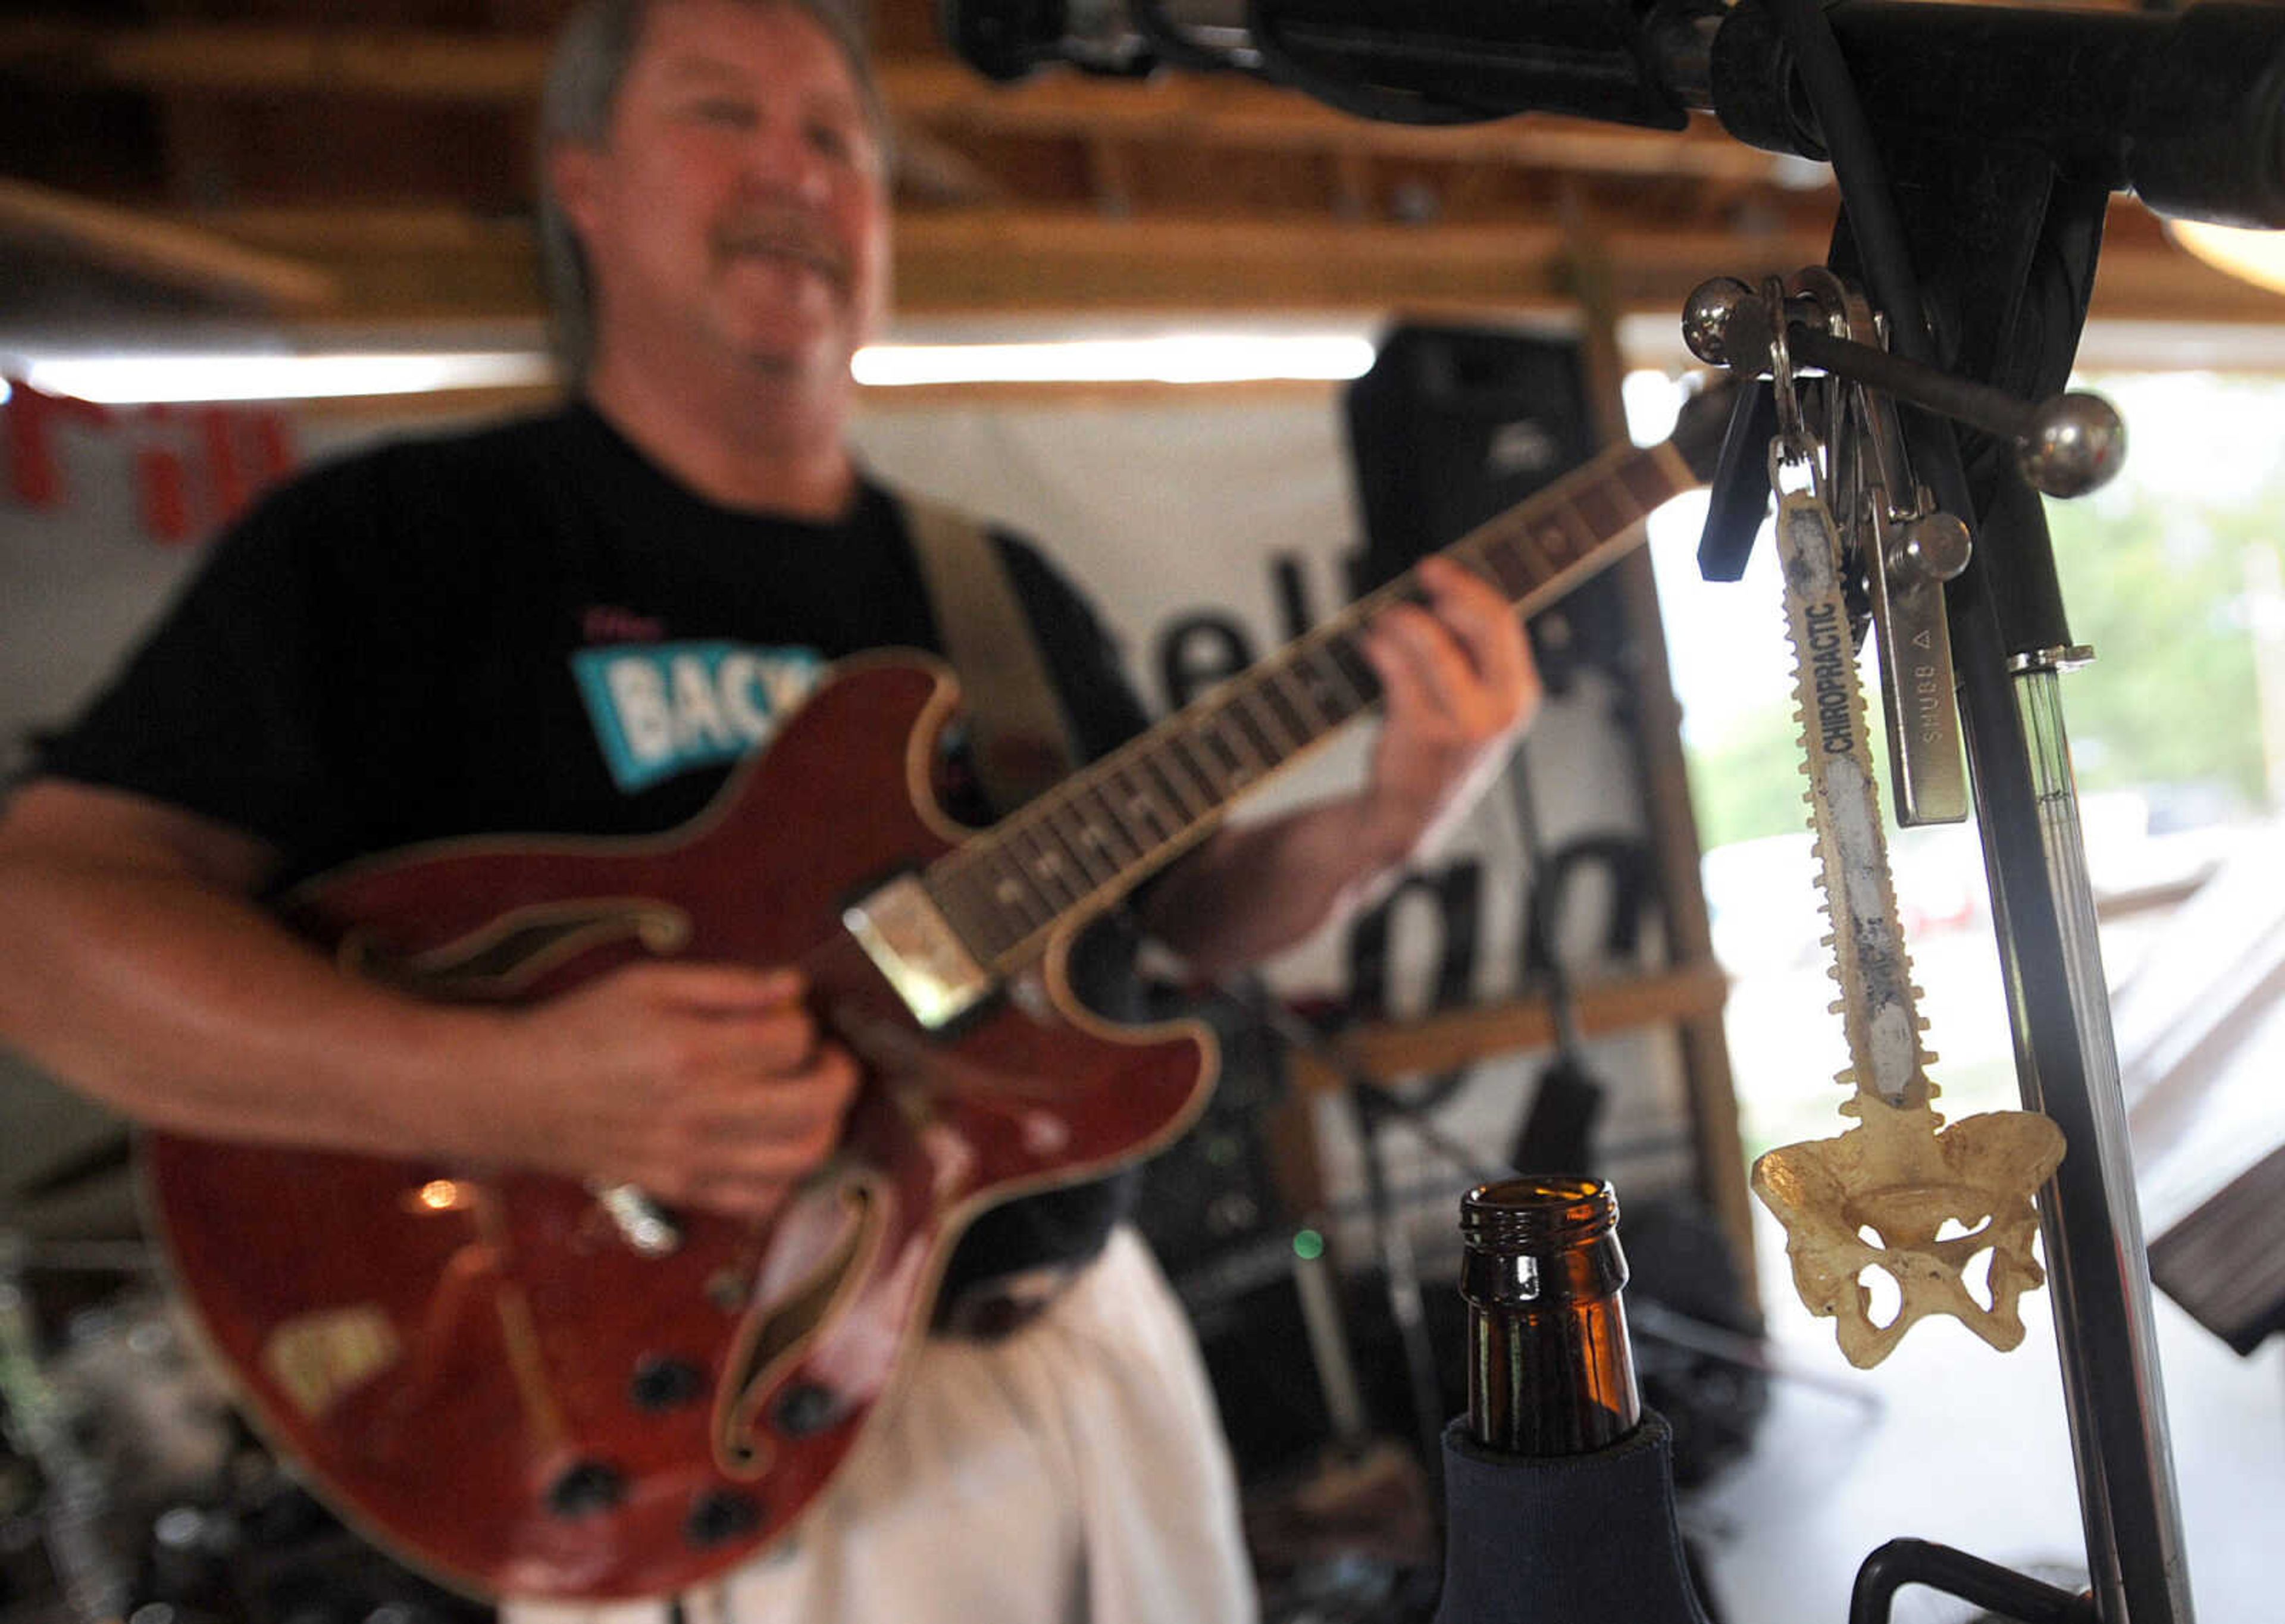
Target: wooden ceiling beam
{"x":931,"y":92}
{"x":426,"y":263}
{"x":347,"y":230}
{"x":248,"y":60}
{"x":412,"y":264}
{"x":932,"y":170}
{"x":162,"y":251}
{"x":1224,"y":110}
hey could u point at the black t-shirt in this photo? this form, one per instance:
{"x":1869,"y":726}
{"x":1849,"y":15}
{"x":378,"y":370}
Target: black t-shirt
{"x":534,"y":630}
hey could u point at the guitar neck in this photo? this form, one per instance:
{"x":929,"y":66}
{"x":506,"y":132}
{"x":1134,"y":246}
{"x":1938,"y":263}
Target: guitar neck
{"x":1084,"y":843}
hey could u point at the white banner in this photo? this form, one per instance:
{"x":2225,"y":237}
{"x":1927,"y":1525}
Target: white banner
{"x":1207,"y":536}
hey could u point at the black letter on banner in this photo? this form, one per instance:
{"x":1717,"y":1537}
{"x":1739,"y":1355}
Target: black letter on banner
{"x":1197,"y":651}
{"x":1457,"y":892}
{"x":1627,"y":860}
{"x":1293,"y":595}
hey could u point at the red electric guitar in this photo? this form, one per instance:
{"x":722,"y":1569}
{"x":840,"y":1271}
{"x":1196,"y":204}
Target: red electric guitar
{"x":530,"y":1387}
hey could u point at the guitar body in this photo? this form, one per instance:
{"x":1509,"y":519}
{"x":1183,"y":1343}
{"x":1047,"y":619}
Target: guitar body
{"x":484,"y":1370}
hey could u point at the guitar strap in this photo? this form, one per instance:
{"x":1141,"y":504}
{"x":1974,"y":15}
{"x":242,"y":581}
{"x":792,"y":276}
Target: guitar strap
{"x":1021,"y":740}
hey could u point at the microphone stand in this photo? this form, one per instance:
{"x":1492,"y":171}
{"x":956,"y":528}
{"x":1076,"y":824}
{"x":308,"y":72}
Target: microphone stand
{"x":2008,"y":248}
{"x":1975,"y":148}
{"x":1980,"y":248}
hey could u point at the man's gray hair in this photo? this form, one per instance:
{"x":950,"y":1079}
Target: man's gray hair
{"x":591,"y":59}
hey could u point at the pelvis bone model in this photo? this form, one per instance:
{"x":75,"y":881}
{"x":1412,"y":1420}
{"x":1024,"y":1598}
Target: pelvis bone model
{"x":1899,"y":1192}
{"x":1883,"y":1195}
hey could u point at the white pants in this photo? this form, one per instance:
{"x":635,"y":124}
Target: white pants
{"x":1072,"y":1473}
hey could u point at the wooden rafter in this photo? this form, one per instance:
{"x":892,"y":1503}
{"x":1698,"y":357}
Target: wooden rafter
{"x":1211,"y":193}
{"x":162,"y":251}
{"x":410,"y":263}
{"x":1480,"y":1032}
{"x":247,"y":59}
{"x":404,"y":260}
{"x":931,"y":91}
{"x":930,"y":169}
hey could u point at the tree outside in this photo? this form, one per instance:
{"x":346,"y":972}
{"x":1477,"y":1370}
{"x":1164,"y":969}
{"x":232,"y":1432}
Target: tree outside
{"x":2170,"y":575}
{"x":2169,"y":592}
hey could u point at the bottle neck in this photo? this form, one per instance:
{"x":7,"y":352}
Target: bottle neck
{"x":1551,"y":1372}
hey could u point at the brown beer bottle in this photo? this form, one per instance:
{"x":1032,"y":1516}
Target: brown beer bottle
{"x":1559,"y":1486}
{"x":1550,"y":1369}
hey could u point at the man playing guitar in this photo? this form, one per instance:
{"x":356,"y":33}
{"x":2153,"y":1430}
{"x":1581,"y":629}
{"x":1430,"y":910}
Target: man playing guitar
{"x":573,"y":624}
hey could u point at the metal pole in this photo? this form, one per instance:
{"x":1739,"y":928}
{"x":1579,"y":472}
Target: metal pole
{"x":2043,"y":913}
{"x":2026,"y":813}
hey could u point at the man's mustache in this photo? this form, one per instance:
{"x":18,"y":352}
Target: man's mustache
{"x":789,"y":237}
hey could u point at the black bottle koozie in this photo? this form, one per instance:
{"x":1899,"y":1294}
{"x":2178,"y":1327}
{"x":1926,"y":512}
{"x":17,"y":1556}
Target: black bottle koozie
{"x":1558,"y":1538}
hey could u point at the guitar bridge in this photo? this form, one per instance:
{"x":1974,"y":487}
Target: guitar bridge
{"x":906,"y":937}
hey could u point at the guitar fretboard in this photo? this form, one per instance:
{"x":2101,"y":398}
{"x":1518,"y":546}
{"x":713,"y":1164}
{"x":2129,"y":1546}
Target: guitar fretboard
{"x":1088,"y":840}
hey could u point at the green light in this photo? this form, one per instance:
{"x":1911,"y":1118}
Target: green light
{"x":1308,"y":1245}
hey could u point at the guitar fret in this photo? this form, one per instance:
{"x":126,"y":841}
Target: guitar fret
{"x":1575,"y":538}
{"x":1547,"y":546}
{"x":1330,"y":686}
{"x":1468,"y":552}
{"x":1503,"y":562}
{"x":1288,"y":713}
{"x":1115,"y":821}
{"x":1167,"y":781}
{"x":1235,"y":767}
{"x":981,"y":921}
{"x":945,"y":891}
{"x":1012,"y":888}
{"x":1057,"y":863}
{"x":1080,"y":846}
{"x":1196,"y":760}
{"x":1265,"y":742}
{"x":1015,"y":887}
{"x":1289,"y":681}
{"x":1601,"y":505}
{"x":1341,"y":648}
{"x":1276,"y":726}
{"x":1199,"y":765}
{"x":1096,"y":828}
{"x":1004,"y":927}
{"x":1138,"y":799}
{"x":1048,"y":869}
{"x":1020,"y":860}
{"x":1228,"y":727}
{"x":1647,"y":486}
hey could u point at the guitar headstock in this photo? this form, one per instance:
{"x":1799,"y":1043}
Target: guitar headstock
{"x":1704,"y":420}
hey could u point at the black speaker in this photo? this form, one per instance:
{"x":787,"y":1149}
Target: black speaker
{"x":1210,"y":1200}
{"x":1452,"y":426}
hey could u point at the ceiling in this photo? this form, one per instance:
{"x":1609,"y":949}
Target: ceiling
{"x":366,"y":162}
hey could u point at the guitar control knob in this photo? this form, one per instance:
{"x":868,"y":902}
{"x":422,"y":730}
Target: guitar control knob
{"x":806,"y":1409}
{"x":660,"y":1383}
{"x":585,"y":1488}
{"x":721,"y":1515}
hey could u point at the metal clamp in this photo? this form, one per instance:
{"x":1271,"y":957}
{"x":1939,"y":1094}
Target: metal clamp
{"x":2066,"y":446}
